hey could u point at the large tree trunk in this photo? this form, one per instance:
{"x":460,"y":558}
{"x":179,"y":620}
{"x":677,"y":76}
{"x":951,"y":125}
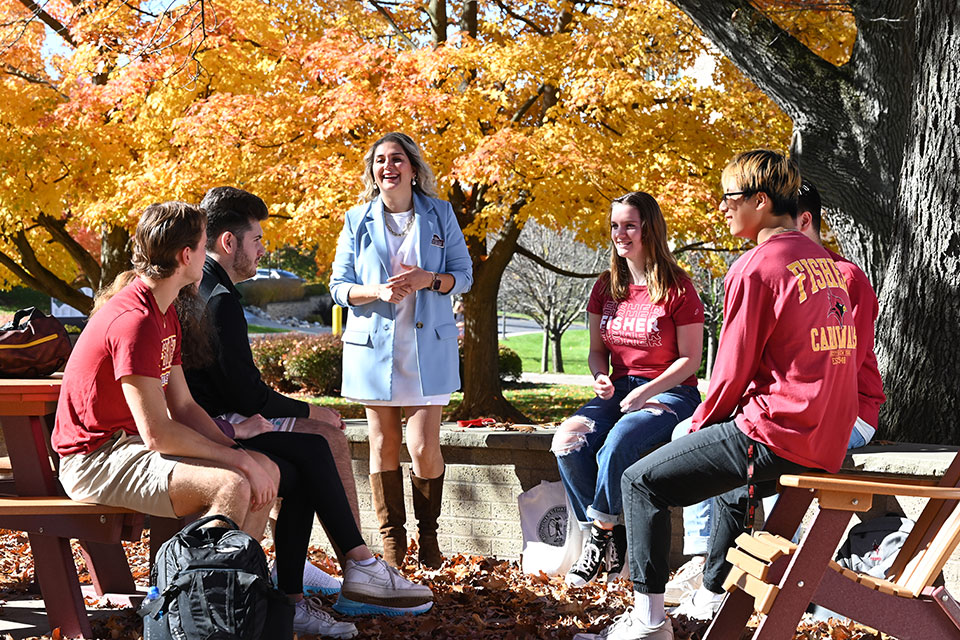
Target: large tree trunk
{"x":879,"y":136}
{"x":482,"y":396}
{"x":920,"y":298}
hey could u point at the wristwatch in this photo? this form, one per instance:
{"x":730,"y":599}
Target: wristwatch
{"x":435,"y":286}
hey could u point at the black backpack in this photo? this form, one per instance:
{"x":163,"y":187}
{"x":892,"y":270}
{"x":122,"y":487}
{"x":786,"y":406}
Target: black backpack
{"x":213,"y":584}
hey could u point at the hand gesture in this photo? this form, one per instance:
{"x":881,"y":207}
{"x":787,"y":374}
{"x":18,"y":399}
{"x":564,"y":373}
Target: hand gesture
{"x":634,"y":400}
{"x":603,"y":387}
{"x":392,"y":292}
{"x":251,"y":427}
{"x":412,"y":277}
{"x":327,"y":416}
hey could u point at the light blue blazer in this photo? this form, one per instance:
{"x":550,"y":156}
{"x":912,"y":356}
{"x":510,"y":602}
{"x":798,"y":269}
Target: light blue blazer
{"x":363,"y":258}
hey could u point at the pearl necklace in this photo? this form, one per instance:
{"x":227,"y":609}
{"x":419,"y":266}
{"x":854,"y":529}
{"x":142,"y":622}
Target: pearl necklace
{"x":406,"y":227}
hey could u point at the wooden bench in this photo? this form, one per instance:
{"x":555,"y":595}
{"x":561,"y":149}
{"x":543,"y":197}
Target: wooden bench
{"x":779,"y":579}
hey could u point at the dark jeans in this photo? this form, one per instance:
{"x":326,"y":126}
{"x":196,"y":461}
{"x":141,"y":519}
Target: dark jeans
{"x":710,"y":462}
{"x":591,"y":473}
{"x":309,"y":484}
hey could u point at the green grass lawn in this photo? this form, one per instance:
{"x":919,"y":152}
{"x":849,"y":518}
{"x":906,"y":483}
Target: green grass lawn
{"x":542,"y":403}
{"x":574,"y":345}
{"x":255,"y":328}
{"x":21,"y":297}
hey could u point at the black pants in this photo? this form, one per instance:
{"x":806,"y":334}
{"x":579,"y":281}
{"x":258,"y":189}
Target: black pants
{"x":309,"y":484}
{"x":711,"y":462}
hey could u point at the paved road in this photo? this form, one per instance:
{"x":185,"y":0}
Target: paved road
{"x":513,"y":326}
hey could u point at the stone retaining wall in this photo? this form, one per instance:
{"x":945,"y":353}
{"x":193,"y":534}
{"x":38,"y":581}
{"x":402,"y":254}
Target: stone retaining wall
{"x":487,"y":470}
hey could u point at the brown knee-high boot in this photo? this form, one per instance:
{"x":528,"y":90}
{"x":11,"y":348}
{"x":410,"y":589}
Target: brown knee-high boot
{"x":387,"y":489}
{"x":427,"y":495}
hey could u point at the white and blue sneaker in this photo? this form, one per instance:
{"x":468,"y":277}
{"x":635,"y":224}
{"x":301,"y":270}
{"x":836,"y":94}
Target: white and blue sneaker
{"x":315,"y":580}
{"x":379,"y":589}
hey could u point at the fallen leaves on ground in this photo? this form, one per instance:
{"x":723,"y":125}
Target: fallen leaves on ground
{"x":475,"y":598}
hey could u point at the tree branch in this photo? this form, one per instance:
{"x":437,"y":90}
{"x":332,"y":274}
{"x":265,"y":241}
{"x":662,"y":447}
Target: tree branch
{"x":516,"y":16}
{"x":33,"y":79}
{"x":526,"y":253}
{"x":699,"y":246}
{"x":798,"y":80}
{"x":58,"y":231}
{"x":50,"y":21}
{"x":41,"y":278}
{"x":393,"y":23}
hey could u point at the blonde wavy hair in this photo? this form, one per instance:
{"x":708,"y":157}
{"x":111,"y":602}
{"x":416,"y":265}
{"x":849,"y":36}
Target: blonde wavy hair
{"x":426,"y":182}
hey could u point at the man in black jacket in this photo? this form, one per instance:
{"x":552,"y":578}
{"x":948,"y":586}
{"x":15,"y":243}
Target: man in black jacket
{"x":231,"y":386}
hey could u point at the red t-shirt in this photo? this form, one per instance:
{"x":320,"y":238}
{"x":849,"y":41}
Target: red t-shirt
{"x":128,"y":336}
{"x":865,"y":310}
{"x":786,"y":366}
{"x":641,"y":336}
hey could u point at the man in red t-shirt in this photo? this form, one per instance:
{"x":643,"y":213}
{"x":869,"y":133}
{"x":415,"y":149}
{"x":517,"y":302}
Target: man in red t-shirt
{"x":782,"y":398}
{"x":865,"y":310}
{"x":127,"y":430}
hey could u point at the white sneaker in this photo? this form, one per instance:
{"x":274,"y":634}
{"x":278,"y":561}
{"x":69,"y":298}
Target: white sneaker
{"x":685,"y":581}
{"x":315,"y":580}
{"x":693,"y":609}
{"x":378,"y":588}
{"x":309,"y":618}
{"x":626,"y":627}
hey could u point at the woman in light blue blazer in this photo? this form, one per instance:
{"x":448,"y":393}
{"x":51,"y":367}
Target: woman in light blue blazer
{"x":400,"y":256}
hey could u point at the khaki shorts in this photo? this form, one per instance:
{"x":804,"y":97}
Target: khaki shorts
{"x":121,"y":473}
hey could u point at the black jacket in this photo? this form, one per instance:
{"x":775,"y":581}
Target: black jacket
{"x":233,"y":382}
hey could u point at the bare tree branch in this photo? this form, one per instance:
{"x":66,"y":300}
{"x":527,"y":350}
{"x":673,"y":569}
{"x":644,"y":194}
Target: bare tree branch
{"x":34,"y":79}
{"x":546,"y":265}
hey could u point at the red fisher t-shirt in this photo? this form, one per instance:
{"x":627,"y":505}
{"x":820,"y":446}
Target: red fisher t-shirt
{"x":786,"y":366}
{"x":641,"y":336}
{"x":128,"y":336}
{"x":865,"y":311}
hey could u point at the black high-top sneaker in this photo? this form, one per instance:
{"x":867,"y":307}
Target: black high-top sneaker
{"x":592,"y":557}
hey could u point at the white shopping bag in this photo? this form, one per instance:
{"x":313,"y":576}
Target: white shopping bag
{"x":551,"y":539}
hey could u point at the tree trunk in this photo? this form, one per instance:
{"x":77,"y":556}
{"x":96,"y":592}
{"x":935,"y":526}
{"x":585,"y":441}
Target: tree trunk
{"x":921,"y":294}
{"x":437,"y":10}
{"x":115,"y":253}
{"x":556,"y":337}
{"x":545,"y":350}
{"x":482,"y":396}
{"x":711,"y":350}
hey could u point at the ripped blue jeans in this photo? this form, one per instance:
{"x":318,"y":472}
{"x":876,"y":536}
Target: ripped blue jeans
{"x":597,"y":444}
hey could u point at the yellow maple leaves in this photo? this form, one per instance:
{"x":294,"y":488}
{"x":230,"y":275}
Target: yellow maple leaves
{"x":290,"y":95}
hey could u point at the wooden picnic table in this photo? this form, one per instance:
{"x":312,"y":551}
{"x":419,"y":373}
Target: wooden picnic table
{"x":27,"y":409}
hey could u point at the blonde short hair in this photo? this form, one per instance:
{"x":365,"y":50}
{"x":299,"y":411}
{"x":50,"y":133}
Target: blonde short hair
{"x":770,"y":172}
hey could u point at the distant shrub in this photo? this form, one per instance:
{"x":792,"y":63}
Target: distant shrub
{"x":315,"y":289}
{"x":268,"y":353}
{"x":263,"y":291}
{"x":510,"y":365}
{"x":315,"y":364}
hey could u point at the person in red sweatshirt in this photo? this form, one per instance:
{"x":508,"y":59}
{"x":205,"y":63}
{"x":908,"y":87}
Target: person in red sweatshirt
{"x":782,"y":399}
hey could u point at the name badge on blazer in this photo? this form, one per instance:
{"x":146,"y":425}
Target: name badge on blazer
{"x":437,"y":241}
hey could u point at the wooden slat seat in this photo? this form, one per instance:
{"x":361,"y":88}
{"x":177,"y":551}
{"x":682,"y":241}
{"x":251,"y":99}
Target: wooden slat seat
{"x":782,"y":579}
{"x":43,"y":506}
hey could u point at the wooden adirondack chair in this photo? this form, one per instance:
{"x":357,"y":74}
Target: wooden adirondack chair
{"x":779,"y":579}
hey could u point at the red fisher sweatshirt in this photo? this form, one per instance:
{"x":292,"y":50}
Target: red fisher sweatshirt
{"x":787,"y":361}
